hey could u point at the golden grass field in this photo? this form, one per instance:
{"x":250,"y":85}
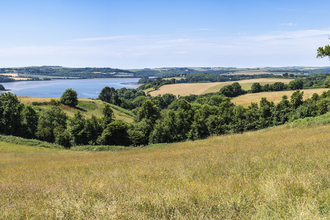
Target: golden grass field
{"x":87,"y":107}
{"x":14,"y":76}
{"x":279,"y":173}
{"x":276,"y":97}
{"x":184,"y":89}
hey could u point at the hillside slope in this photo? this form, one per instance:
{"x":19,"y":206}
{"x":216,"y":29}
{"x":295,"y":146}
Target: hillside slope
{"x":281,"y":172}
{"x":87,"y":107}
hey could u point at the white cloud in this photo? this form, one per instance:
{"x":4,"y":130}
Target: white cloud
{"x":288,"y":24}
{"x":104,"y":38}
{"x":241,"y":50}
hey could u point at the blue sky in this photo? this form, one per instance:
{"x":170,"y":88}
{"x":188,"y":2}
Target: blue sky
{"x":145,"y":34}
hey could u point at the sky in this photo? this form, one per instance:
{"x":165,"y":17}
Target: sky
{"x":131,"y":34}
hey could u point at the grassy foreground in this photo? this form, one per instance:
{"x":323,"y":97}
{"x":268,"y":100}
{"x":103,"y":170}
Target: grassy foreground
{"x":277,"y":173}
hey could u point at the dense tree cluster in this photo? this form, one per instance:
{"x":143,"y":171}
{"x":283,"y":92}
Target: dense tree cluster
{"x":6,"y":79}
{"x":277,"y":86}
{"x":161,"y":119}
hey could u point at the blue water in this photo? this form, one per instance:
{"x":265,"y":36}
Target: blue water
{"x":86,"y":88}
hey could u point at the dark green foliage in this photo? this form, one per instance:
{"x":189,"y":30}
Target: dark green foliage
{"x":51,"y":123}
{"x":282,"y":111}
{"x":93,"y":129}
{"x":70,"y":98}
{"x":148,"y":111}
{"x":323,"y":52}
{"x":10,"y":114}
{"x":109,"y":95}
{"x":6,"y":79}
{"x":297,"y":99}
{"x":232,"y":90}
{"x":29,"y":122}
{"x":296,"y":84}
{"x":256,"y":87}
{"x":107,"y":116}
{"x":77,"y":129}
{"x":116,"y":133}
{"x":140,"y":132}
{"x":278,"y":86}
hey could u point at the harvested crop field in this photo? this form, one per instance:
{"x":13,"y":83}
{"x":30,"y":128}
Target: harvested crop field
{"x":184,"y":89}
{"x":14,"y":76}
{"x":276,"y":97}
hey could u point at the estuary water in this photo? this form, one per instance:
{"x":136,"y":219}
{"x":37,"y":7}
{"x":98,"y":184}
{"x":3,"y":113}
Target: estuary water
{"x":86,"y":88}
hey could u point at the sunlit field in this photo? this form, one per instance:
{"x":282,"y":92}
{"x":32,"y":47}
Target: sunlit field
{"x":87,"y":107}
{"x":277,"y":173}
{"x":276,"y":97}
{"x":184,"y":89}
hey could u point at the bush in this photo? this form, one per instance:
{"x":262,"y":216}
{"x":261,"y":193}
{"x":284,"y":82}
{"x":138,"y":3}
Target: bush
{"x":69,"y":98}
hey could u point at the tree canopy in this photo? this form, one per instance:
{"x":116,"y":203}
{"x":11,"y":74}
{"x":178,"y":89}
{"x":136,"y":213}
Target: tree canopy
{"x":323,"y":51}
{"x":69,"y":98}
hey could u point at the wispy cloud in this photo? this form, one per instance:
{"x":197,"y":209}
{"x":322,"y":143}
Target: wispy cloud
{"x":288,"y":24}
{"x":293,"y":34}
{"x":245,"y":49}
{"x":104,"y":38}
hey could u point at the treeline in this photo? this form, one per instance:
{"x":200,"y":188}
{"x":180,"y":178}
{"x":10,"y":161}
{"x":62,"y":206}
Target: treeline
{"x":162,"y":119}
{"x":197,"y":78}
{"x":6,"y":79}
{"x":82,"y":73}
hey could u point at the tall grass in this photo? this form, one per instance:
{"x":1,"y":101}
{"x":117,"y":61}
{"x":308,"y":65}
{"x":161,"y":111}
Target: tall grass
{"x":280,"y":173}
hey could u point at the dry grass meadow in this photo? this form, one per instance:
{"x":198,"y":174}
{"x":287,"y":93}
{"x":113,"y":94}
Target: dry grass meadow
{"x":184,"y":89}
{"x":276,"y":97}
{"x":278,"y":173}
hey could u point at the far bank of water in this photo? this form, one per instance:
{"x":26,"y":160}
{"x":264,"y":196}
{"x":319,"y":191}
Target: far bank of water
{"x":86,"y":88}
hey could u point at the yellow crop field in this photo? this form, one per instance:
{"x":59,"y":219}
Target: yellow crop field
{"x":276,"y":97}
{"x":279,"y":173}
{"x":184,"y":89}
{"x":15,"y":76}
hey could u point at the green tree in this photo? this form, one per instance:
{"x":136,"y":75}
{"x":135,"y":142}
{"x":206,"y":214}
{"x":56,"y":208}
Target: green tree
{"x":29,"y":122}
{"x":148,"y":111}
{"x":93,"y":129}
{"x":107,"y":115}
{"x":10,"y":114}
{"x":323,"y":51}
{"x":116,"y":133}
{"x":296,"y":84}
{"x":297,"y":99}
{"x":69,"y":97}
{"x":109,"y":95}
{"x":256,"y":87}
{"x":52,"y":123}
{"x":77,"y":129}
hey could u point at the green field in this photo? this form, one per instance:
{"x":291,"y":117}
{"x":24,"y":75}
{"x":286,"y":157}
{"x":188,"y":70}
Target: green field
{"x":277,"y":173}
{"x":87,"y":107}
